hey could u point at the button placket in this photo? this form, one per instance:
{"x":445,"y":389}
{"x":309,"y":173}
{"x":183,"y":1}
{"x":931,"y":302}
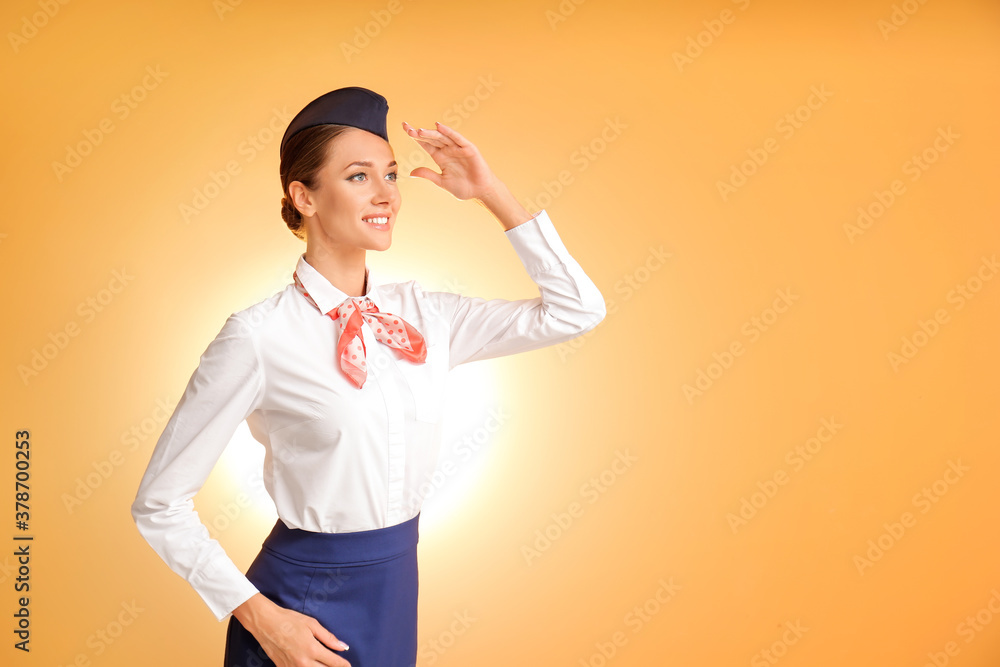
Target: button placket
{"x":382,"y":366}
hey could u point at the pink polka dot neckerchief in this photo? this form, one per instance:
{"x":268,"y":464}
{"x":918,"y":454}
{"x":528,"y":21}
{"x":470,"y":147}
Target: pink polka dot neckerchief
{"x":390,"y":329}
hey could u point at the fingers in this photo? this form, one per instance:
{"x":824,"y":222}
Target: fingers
{"x":331,"y":641}
{"x":421,"y":135}
{"x":433,"y":137}
{"x":431,"y":148}
{"x":429,"y":174}
{"x":443,"y":133}
{"x":327,"y":637}
{"x":437,"y":141}
{"x":457,"y":138}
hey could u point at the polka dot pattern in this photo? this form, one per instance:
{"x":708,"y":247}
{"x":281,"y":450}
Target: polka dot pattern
{"x":348,"y":318}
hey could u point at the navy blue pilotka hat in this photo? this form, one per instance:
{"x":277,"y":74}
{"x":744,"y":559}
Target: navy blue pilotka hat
{"x":353,"y":106}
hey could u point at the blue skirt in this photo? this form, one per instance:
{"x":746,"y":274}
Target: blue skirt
{"x":361,"y":586}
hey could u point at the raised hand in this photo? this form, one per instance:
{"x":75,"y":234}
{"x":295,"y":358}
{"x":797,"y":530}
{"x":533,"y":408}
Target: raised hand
{"x":464,"y":172}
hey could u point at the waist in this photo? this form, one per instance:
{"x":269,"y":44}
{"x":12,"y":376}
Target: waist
{"x":359,"y":547}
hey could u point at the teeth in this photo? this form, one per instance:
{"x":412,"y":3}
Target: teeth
{"x":377,"y":221}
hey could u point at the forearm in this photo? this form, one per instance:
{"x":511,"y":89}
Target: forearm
{"x":504,"y":206}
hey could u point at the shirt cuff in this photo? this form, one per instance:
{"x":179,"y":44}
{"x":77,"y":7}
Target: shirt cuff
{"x":223,"y":587}
{"x":538,"y":244}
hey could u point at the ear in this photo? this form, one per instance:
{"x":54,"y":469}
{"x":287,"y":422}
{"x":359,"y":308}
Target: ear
{"x":302,"y":198}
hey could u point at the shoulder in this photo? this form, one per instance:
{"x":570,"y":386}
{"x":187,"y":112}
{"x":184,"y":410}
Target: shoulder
{"x":255,"y":321}
{"x":260,"y":312}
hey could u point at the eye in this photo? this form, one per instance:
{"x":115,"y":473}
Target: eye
{"x":354,"y":177}
{"x":392,"y":176}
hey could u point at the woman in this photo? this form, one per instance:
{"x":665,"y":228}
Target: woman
{"x":341,"y":378}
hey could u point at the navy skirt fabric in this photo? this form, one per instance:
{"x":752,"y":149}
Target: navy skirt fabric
{"x":361,"y":586}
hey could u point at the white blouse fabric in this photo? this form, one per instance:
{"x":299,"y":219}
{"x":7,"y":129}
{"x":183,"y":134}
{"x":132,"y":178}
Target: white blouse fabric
{"x":339,"y":458}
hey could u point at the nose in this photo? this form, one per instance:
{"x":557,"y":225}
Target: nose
{"x":385,"y":192}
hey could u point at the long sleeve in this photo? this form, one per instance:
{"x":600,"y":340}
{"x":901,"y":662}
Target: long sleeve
{"x":225,"y":388}
{"x":570,"y":303}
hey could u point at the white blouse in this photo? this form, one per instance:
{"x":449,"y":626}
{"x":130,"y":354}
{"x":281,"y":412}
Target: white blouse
{"x":339,"y":458}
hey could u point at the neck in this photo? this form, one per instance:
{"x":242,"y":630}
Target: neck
{"x":344,"y":268}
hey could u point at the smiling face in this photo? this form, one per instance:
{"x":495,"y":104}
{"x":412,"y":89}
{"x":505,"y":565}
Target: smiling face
{"x":356,"y":199}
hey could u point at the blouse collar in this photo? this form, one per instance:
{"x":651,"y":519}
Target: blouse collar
{"x":323,"y":292}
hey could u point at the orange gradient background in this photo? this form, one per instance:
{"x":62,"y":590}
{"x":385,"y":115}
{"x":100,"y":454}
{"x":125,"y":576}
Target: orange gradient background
{"x":685,"y":268}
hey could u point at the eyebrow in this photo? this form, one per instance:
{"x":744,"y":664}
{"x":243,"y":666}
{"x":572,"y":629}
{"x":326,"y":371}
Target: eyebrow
{"x":366,"y":163}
